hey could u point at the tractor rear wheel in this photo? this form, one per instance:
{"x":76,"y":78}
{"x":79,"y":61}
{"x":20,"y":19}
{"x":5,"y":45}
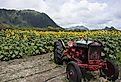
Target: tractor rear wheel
{"x":58,"y":52}
{"x":73,"y":71}
{"x":111,"y":72}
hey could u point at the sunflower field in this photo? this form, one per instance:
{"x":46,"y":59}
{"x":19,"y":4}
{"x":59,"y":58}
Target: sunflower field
{"x":16,"y":43}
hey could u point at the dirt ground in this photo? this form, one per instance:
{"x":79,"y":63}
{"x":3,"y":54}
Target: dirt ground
{"x":33,"y":69}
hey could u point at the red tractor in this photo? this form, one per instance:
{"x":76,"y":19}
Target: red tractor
{"x":84,"y":55}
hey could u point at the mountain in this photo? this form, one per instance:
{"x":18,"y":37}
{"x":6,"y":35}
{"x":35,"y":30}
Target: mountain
{"x":78,"y":28}
{"x":110,"y":28}
{"x":26,"y":18}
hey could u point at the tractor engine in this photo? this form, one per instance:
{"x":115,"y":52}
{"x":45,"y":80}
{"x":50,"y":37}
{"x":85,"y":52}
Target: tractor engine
{"x":83,"y":52}
{"x":77,"y":53}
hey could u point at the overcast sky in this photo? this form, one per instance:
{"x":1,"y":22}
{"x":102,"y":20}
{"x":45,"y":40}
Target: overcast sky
{"x":90,"y":13}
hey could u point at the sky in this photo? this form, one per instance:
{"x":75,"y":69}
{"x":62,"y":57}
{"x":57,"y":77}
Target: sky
{"x":94,"y":14}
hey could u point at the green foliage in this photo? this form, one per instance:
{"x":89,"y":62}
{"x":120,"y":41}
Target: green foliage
{"x":16,"y":43}
{"x":111,"y":45}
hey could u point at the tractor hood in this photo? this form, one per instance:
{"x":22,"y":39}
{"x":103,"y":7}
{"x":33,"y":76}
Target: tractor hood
{"x":86,"y":44}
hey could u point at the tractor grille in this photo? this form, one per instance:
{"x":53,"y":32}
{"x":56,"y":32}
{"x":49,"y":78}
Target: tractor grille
{"x":94,"y":53}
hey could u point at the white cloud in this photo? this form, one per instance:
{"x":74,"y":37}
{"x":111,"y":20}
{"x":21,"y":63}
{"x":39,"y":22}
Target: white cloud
{"x":92,"y":13}
{"x":25,"y":4}
{"x":75,"y":12}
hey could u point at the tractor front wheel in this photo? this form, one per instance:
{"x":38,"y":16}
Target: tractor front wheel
{"x":73,"y":71}
{"x":111,"y":72}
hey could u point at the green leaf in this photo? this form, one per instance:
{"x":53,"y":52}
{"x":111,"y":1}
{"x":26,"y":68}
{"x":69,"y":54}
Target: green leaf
{"x":5,"y":47}
{"x":37,"y":51}
{"x":13,"y":55}
{"x":16,"y":52}
{"x":1,"y":56}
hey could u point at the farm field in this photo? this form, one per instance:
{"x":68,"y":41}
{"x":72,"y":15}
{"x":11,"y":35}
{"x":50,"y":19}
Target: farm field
{"x":60,"y":41}
{"x":31,"y":50}
{"x":32,"y":69}
{"x":20,"y":43}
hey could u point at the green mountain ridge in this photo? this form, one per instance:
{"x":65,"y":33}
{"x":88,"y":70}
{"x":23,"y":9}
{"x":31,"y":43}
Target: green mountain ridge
{"x":26,"y":18}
